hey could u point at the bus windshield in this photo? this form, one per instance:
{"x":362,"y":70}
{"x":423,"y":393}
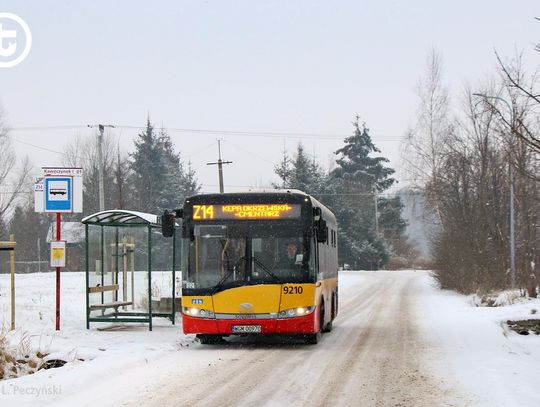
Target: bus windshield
{"x":221,"y":256}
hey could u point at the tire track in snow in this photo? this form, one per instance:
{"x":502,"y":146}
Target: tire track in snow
{"x":373,"y":357}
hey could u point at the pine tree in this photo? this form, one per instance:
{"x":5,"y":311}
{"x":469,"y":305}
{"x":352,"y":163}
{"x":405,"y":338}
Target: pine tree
{"x":357,"y":180}
{"x":158,"y":178}
{"x":300,"y":172}
{"x":29,"y":227}
{"x":188,"y":182}
{"x":283,"y":170}
{"x":148,"y":169}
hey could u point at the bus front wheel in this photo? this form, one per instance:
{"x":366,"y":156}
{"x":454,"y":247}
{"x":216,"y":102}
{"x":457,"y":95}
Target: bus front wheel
{"x":312,"y":339}
{"x":210,"y":339}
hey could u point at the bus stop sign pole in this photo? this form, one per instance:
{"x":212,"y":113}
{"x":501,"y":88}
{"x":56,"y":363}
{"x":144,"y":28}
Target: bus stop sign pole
{"x":58,"y":236}
{"x":60,"y":189}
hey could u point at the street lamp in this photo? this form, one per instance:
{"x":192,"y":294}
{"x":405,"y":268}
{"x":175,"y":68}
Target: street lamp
{"x":511,"y":176}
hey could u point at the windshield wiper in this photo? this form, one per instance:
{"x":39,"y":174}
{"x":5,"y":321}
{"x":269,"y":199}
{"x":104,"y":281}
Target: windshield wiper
{"x":230,"y":271}
{"x":265,"y":269}
{"x":220,"y":283}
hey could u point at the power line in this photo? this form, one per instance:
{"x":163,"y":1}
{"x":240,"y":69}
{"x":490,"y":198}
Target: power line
{"x":37,"y":128}
{"x":271,"y":134}
{"x":36,"y":146}
{"x":314,"y":194}
{"x":249,"y":152}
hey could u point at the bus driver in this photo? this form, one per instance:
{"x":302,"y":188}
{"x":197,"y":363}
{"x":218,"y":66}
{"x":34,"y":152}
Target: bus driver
{"x":289,"y":260}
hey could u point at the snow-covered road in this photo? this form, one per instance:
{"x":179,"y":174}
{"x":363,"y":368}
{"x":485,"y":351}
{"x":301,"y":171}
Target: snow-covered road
{"x":375,"y":356}
{"x":398,"y":341}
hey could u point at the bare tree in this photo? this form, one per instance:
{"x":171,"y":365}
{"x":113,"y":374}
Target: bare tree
{"x":82,"y":151}
{"x":471,"y":192}
{"x":12,"y":176}
{"x":519,"y":128}
{"x":424,"y":145}
{"x":522,"y":87}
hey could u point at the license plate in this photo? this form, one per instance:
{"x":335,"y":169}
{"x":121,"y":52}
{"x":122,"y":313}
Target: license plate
{"x":247,"y":329}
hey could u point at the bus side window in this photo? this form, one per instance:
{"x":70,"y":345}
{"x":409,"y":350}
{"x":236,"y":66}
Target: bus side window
{"x":327,"y":239}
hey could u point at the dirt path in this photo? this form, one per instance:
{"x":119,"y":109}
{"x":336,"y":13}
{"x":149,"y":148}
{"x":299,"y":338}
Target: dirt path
{"x":375,"y":356}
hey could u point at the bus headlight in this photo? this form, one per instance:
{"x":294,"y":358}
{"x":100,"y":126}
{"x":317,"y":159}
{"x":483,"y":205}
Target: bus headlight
{"x":296,"y":312}
{"x":198,"y":312}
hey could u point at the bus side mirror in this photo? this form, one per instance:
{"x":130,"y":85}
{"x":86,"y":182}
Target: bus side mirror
{"x":167,"y":223}
{"x":321,"y":230}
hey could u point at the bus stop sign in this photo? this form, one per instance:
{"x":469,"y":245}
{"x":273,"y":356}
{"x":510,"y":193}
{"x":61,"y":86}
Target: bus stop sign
{"x":58,"y":194}
{"x":60,"y":190}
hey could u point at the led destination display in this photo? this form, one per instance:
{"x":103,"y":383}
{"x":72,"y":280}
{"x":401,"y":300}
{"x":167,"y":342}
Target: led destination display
{"x":246,"y":211}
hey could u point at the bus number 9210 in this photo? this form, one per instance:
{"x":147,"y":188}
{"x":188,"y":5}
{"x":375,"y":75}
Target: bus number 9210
{"x":293,"y":289}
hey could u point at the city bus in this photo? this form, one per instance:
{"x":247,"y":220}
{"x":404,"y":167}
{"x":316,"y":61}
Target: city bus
{"x":257,"y":263}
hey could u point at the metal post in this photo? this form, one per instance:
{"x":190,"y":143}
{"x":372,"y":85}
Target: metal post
{"x":132,"y":261}
{"x":86,"y":257}
{"x":149,"y":265}
{"x":12,"y":273}
{"x":58,"y":236}
{"x":173,"y":308}
{"x":100,"y":169}
{"x":124,"y":270}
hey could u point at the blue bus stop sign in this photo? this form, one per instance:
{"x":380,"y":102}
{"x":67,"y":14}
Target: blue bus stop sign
{"x":58,"y":194}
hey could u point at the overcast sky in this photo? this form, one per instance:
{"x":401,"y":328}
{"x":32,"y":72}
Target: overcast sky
{"x":249,"y":66}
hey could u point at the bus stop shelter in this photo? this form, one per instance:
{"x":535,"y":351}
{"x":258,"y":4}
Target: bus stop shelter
{"x":130,"y":268}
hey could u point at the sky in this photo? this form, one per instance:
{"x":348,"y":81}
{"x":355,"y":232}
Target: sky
{"x":270,"y":70}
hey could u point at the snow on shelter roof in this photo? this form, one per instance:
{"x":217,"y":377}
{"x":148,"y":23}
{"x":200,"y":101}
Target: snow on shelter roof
{"x":120,"y":216}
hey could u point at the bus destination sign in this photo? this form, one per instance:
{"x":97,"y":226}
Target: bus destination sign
{"x":246,"y":211}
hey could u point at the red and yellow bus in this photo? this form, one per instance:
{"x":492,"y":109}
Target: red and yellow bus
{"x":258,"y":263}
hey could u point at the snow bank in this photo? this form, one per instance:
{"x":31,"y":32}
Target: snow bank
{"x":94,"y":356}
{"x":475,"y":348}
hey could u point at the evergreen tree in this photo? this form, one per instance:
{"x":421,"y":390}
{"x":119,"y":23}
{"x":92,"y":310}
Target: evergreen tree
{"x":188,"y":182}
{"x":30,"y":230}
{"x":121,"y":181}
{"x":300,"y":172}
{"x":356,"y":182}
{"x":148,"y":169}
{"x":3,"y":229}
{"x":158,"y":178}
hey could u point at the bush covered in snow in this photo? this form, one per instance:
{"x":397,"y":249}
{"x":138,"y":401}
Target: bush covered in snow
{"x":19,"y":360}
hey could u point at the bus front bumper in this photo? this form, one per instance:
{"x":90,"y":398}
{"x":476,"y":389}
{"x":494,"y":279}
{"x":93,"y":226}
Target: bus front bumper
{"x":296,"y":325}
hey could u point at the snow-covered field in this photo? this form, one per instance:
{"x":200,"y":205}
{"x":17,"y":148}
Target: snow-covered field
{"x":469,"y":348}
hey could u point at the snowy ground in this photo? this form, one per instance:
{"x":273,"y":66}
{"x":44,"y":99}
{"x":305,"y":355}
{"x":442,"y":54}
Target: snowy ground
{"x":495,"y":365}
{"x":469,"y":356}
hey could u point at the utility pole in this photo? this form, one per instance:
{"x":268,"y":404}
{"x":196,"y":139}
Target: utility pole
{"x":101,"y":128}
{"x":511,"y":180}
{"x":220,"y":163}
